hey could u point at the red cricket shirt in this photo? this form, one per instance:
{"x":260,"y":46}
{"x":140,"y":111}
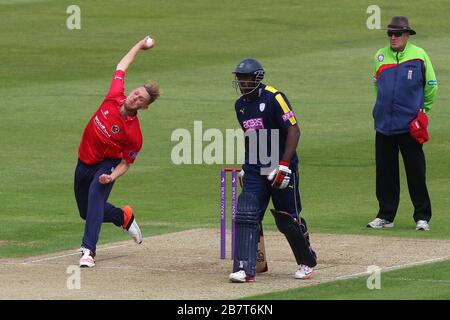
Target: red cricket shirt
{"x":108,"y":135}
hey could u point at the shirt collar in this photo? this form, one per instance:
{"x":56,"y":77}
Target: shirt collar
{"x":131,"y":118}
{"x":401,"y":53}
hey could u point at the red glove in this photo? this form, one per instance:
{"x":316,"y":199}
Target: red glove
{"x":418,"y":128}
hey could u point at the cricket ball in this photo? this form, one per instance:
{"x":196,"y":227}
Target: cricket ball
{"x":149,"y":42}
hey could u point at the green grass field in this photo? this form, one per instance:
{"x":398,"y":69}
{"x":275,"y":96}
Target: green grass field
{"x":428,"y":282}
{"x":53,"y":79}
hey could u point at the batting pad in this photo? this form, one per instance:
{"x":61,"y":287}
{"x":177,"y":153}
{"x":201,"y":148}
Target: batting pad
{"x":294,"y":235}
{"x":247,"y":233}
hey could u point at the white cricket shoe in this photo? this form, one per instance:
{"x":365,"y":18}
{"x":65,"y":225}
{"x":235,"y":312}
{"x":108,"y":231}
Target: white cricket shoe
{"x":130,"y":225}
{"x":304,"y":272}
{"x":87,"y":258}
{"x":422,"y":225}
{"x":240,"y":276}
{"x":378,"y":223}
{"x":135,"y":232}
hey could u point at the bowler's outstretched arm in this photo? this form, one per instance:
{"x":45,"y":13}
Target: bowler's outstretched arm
{"x":128,"y":59}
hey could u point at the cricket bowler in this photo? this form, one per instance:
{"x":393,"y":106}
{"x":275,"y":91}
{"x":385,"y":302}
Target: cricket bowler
{"x":110,"y":143}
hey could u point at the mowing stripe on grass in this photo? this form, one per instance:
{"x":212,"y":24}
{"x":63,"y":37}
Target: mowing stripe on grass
{"x":396,"y":267}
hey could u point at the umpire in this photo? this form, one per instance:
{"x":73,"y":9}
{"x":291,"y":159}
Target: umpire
{"x":406,"y":87}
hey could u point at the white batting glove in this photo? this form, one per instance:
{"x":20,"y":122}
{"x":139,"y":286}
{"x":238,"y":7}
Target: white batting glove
{"x":241,"y":177}
{"x":280,"y":176}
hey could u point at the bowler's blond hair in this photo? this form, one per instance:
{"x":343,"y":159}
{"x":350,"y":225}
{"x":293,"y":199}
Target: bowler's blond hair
{"x":153,"y":90}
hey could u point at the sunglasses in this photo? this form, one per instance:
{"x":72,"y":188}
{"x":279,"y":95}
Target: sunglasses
{"x":396,"y":34}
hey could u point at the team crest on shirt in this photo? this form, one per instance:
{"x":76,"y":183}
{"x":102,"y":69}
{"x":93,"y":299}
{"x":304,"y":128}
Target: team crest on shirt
{"x":242,"y":110}
{"x":381,"y":57}
{"x":115,"y":129}
{"x":262,"y":106}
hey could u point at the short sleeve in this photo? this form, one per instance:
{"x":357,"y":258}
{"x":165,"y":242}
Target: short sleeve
{"x":130,"y":153}
{"x":284,"y":114}
{"x":131,"y":150}
{"x":117,"y":84}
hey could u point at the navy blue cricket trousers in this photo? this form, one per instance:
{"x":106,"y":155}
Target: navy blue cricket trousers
{"x":287,"y":199}
{"x":92,"y":198}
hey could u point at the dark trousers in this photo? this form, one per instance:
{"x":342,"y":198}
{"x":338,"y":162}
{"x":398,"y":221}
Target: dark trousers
{"x":388,"y":178}
{"x":287,"y":199}
{"x":91,"y":198}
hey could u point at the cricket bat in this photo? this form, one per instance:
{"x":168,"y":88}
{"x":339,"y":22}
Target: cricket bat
{"x":261,"y":261}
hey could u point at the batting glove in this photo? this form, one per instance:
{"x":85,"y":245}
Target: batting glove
{"x":281,"y":176}
{"x":241,"y":177}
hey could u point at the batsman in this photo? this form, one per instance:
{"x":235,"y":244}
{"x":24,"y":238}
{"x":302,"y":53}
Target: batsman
{"x":269,"y":123}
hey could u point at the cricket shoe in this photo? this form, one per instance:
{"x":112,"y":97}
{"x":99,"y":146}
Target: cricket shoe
{"x":303,"y":272}
{"x":378,"y":223}
{"x":130,"y":225}
{"x":422,"y":225}
{"x":240,"y":277}
{"x":87,"y":258}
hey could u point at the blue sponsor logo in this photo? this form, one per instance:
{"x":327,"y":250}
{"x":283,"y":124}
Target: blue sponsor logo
{"x":432,"y":83}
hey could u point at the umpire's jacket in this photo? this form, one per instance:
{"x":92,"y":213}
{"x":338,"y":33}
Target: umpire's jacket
{"x":405,"y":82}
